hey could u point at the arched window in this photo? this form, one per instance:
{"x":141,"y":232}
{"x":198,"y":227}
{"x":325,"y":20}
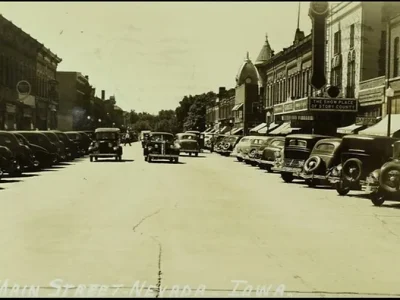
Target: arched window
{"x":396,"y":57}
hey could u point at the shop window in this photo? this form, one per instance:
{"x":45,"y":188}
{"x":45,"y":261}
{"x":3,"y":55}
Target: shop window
{"x":395,"y":106}
{"x":337,"y":43}
{"x":396,"y":57}
{"x":351,"y":79}
{"x":352,"y":36}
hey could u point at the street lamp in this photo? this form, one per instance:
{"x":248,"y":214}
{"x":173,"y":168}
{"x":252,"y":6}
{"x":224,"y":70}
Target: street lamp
{"x":99,"y":120}
{"x":88,"y":117}
{"x":389,"y":96}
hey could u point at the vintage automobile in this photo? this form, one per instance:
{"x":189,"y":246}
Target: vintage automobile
{"x":106,"y":144}
{"x":269,"y":155}
{"x":384,"y":183}
{"x":296,"y":151}
{"x":85,"y":141}
{"x":207,"y":140}
{"x":216,"y":141}
{"x":249,"y":155}
{"x":361,"y":155}
{"x":8,"y":162}
{"x":200,"y":137}
{"x":161,"y":145}
{"x":228,"y":143}
{"x":71,"y":148}
{"x":62,"y":156}
{"x":144,"y":136}
{"x":325,"y":155}
{"x":43,"y":157}
{"x":79,"y":139}
{"x":242,"y":147}
{"x":188,"y":143}
{"x":41,"y":140}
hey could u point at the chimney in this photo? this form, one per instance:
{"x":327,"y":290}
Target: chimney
{"x":87,"y":78}
{"x":221,"y":91}
{"x":103,"y":95}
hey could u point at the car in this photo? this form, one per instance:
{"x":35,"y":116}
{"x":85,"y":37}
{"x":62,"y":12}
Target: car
{"x":81,"y":144}
{"x":255,"y":144}
{"x":43,"y":157}
{"x":8,"y":162}
{"x":188,"y":143}
{"x":384,"y":183}
{"x":71,"y":148}
{"x":325,"y":155}
{"x":207,"y":140}
{"x":106,"y":143}
{"x":242,"y":148}
{"x":271,"y":154}
{"x":200,"y":138}
{"x":161,"y":145}
{"x":41,"y":140}
{"x":86,"y":140}
{"x":296,"y":151}
{"x":361,"y":155}
{"x":228,"y":143}
{"x":62,"y":156}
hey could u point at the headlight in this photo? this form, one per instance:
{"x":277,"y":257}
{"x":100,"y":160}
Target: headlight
{"x":115,"y":148}
{"x":171,"y":146}
{"x":109,"y":145}
{"x":149,"y":148}
{"x":177,"y":146}
{"x":335,"y":172}
{"x":375,"y":175}
{"x":277,"y":154}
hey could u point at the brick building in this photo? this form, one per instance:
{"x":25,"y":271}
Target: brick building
{"x":75,"y":98}
{"x":226,"y":102}
{"x":212,"y":116}
{"x":21,"y":59}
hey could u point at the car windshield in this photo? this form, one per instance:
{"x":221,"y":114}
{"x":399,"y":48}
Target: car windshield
{"x":106,"y":136}
{"x":297,"y":143}
{"x":244,"y":140}
{"x":8,"y":139}
{"x":161,"y":138}
{"x":188,"y":137}
{"x":325,"y":147}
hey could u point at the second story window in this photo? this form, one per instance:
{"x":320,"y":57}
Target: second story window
{"x":396,"y":57}
{"x":336,"y":44}
{"x":351,"y":36}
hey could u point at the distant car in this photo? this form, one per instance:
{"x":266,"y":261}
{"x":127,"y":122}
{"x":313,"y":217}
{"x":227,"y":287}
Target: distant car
{"x":106,"y":144}
{"x":81,"y":139}
{"x":59,"y":144}
{"x":161,"y":145}
{"x":41,"y":140}
{"x":200,"y":137}
{"x":227,"y":144}
{"x":43,"y":157}
{"x":256,"y":148}
{"x":188,"y":143}
{"x":271,"y":155}
{"x":71,"y":148}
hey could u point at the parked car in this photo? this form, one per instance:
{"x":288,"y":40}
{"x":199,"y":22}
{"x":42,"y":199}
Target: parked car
{"x":384,"y":183}
{"x":208,"y":140}
{"x":59,"y":144}
{"x":71,"y":148}
{"x":106,"y":143}
{"x":360,"y":156}
{"x":85,"y":141}
{"x":43,"y":157}
{"x":325,"y":155}
{"x":296,"y":151}
{"x":216,"y":141}
{"x":161,"y":145}
{"x":23,"y":155}
{"x":82,"y":145}
{"x":8,"y":162}
{"x":188,"y":143}
{"x":200,"y":137}
{"x":250,"y":156}
{"x":41,"y":140}
{"x":242,"y":148}
{"x":228,"y":143}
{"x":269,"y":155}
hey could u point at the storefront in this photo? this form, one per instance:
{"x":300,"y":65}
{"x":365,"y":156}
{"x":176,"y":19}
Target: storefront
{"x":381,"y":127}
{"x":27,"y":119}
{"x":316,"y":114}
{"x":41,"y":115}
{"x":52,"y":117}
{"x":10,"y":117}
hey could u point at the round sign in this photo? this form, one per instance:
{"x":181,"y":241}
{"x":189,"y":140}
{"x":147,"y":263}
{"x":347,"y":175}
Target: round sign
{"x":319,"y":8}
{"x":23,"y":88}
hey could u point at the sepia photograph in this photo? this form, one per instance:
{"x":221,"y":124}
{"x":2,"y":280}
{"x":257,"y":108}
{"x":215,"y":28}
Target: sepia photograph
{"x":243,"y":149}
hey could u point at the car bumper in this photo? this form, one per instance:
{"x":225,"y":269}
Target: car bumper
{"x":103,"y":155}
{"x":266,"y":162}
{"x":313,"y":176}
{"x":189,"y":150}
{"x":294,"y":171}
{"x":163,"y":156}
{"x":334,"y":180}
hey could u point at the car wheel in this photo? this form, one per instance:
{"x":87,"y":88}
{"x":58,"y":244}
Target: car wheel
{"x":239,"y":159}
{"x":149,"y":159}
{"x":342,"y":188}
{"x":377,"y":198}
{"x":196,"y":154}
{"x":311,"y":183}
{"x":269,"y":169}
{"x":176,"y":160}
{"x":91,"y":158}
{"x":287,"y":177}
{"x":145,"y":158}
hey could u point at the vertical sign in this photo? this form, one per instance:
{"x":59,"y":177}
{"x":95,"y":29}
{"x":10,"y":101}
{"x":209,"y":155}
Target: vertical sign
{"x":318,"y":13}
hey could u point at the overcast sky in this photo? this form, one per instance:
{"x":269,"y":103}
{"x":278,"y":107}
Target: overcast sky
{"x":151,"y":54}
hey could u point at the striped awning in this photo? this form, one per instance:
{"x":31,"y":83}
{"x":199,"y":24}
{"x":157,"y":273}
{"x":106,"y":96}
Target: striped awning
{"x":284,"y":129}
{"x":237,"y":107}
{"x":348,"y":129}
{"x":265,"y":129}
{"x":236,"y":131}
{"x":258,"y":127}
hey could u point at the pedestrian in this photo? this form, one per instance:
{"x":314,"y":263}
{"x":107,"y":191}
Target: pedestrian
{"x":127,"y":139}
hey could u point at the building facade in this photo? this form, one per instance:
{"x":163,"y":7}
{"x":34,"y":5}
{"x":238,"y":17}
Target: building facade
{"x":75,"y":98}
{"x":226,"y":102}
{"x":20,"y":60}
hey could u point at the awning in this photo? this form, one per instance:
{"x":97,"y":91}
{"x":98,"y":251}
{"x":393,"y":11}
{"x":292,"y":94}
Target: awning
{"x":271,"y":126}
{"x":211,"y":131}
{"x":236,"y":107}
{"x":349,"y":129}
{"x":224,"y":129}
{"x":284,"y":129}
{"x":236,"y":131}
{"x":380,"y":128}
{"x":258,"y":127}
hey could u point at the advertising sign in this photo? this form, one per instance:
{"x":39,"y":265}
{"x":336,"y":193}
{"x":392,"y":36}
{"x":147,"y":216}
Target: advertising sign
{"x":333,"y":104}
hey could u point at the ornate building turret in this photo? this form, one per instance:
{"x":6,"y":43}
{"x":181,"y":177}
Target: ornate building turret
{"x":266,"y":52}
{"x":247,"y":73}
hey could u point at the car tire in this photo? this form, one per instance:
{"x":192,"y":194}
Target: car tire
{"x":196,"y":154}
{"x":384,"y":177}
{"x":269,"y":169}
{"x":342,"y":189}
{"x":239,"y":159}
{"x":311,"y":183}
{"x":149,"y":160}
{"x":287,"y":177}
{"x":91,"y":158}
{"x":317,"y":162}
{"x":357,"y":164}
{"x":377,"y":198}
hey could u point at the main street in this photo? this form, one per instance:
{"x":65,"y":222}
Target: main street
{"x":206,"y":223}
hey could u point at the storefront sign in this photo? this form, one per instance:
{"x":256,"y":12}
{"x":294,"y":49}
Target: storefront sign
{"x":297,"y":118}
{"x":367,"y":121}
{"x":291,"y":106}
{"x":287,"y":107}
{"x":333,"y":104}
{"x":278,"y":109}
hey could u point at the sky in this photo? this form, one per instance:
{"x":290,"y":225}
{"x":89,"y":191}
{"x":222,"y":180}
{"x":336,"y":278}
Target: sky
{"x":151,"y":54}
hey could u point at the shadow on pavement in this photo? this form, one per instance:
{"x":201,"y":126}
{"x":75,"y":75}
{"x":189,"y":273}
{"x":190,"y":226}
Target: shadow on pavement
{"x":25,"y":175}
{"x":166,"y":162}
{"x":64,"y":164}
{"x":392,"y":206}
{"x":6,"y":180}
{"x":192,"y":156}
{"x":113,"y":161}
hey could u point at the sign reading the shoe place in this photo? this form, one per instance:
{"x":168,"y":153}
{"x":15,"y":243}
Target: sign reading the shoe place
{"x":333,"y":104}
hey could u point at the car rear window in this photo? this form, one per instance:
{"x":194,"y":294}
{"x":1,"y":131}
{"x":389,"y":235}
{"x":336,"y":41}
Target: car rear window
{"x":101,"y":136}
{"x":277,"y":143}
{"x":325,"y":147}
{"x":297,"y":143}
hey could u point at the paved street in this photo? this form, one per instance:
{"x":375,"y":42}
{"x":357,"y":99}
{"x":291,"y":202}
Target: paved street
{"x":207,"y":221}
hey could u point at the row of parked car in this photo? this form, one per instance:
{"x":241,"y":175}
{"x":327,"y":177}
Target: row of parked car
{"x":34,"y":150}
{"x":349,"y":163}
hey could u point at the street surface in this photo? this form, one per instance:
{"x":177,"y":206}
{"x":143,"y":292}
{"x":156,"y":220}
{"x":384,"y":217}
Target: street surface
{"x":205,"y":223}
